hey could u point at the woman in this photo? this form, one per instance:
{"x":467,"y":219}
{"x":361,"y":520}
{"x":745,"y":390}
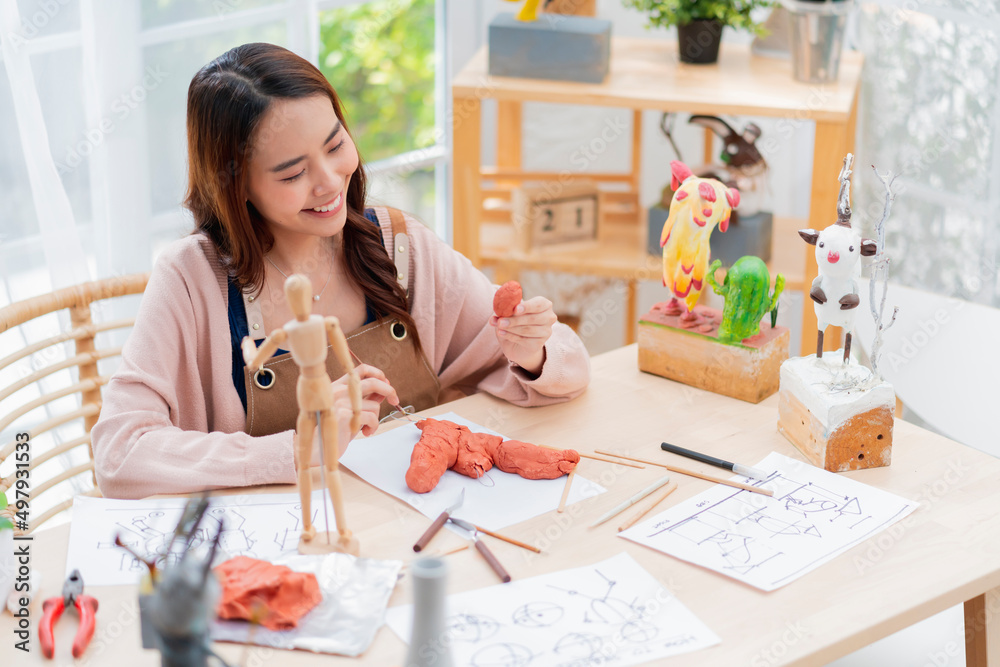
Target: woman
{"x":276,"y":187}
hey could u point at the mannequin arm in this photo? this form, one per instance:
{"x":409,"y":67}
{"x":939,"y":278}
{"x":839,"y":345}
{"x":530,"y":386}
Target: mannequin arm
{"x":254,"y":356}
{"x":336,"y":337}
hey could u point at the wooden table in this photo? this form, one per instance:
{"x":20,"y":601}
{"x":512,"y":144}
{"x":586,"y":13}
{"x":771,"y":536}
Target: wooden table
{"x":644,"y":75}
{"x":945,"y":553}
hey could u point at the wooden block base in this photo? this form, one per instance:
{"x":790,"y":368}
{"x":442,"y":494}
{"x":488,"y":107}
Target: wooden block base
{"x":327,"y":543}
{"x":836,"y":414}
{"x":693,"y":354}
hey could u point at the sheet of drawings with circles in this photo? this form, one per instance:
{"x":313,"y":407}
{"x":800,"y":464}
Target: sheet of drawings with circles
{"x":767,"y":542}
{"x":611,"y":613}
{"x":264,"y":526}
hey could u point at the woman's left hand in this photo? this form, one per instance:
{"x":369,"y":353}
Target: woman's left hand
{"x":523,"y":335}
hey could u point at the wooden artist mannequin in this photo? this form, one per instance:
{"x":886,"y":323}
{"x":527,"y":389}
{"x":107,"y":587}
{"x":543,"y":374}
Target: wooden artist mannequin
{"x":306,"y":337}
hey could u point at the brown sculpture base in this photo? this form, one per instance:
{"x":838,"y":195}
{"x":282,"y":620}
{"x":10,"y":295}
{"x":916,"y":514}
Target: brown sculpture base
{"x":328,"y":543}
{"x":690,"y":352}
{"x":834,"y":414}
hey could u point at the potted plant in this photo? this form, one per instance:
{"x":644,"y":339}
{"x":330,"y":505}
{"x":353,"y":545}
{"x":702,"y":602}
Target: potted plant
{"x":700,"y":22}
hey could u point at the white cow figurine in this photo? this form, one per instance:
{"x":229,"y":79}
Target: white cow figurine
{"x":839,"y":248}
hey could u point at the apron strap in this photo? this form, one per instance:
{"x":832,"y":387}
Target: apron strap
{"x":401,"y":248}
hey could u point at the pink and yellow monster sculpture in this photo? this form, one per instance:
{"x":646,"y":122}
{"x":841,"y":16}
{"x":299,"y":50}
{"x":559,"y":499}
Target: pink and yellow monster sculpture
{"x":698,"y":205}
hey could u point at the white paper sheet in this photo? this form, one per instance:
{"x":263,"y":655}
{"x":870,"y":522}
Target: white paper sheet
{"x":613,"y":613}
{"x":496,"y":501}
{"x":766,"y":542}
{"x":263,"y":526}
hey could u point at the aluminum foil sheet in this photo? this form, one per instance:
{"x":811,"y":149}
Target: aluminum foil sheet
{"x":355,"y":594}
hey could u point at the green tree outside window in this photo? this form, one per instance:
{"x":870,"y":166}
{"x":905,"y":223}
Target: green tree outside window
{"x":379,"y":57}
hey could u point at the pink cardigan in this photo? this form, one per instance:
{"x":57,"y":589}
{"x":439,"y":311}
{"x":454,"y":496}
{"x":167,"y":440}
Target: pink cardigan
{"x":172,"y":421}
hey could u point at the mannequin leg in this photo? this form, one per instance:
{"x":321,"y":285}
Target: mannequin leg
{"x":305,"y":429}
{"x":331,"y":456}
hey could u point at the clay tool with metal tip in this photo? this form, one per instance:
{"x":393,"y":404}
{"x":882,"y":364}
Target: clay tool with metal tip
{"x":400,"y":410}
{"x":438,"y":522}
{"x":482,"y":548}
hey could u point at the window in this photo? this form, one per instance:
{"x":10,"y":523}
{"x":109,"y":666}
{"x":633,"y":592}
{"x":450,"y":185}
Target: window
{"x":119,"y":146}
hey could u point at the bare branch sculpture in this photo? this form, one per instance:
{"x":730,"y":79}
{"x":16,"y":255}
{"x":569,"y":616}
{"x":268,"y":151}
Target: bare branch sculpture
{"x":880,"y":273}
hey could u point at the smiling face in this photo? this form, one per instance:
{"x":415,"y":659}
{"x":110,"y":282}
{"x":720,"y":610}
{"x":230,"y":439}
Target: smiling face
{"x":299,"y":169}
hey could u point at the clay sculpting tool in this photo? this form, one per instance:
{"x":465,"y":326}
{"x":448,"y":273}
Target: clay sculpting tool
{"x":565,"y":493}
{"x":692,"y":473}
{"x":438,"y":522}
{"x":446,"y":552}
{"x":631,"y":522}
{"x":401,"y":412}
{"x":482,"y":548}
{"x":405,"y":412}
{"x":631,"y":501}
{"x":597,"y":458}
{"x":738,"y":468}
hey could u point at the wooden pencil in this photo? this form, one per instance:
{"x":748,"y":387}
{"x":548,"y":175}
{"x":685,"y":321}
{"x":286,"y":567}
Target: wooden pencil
{"x":511,"y":540}
{"x":692,"y":473}
{"x":631,"y":522}
{"x":565,"y":495}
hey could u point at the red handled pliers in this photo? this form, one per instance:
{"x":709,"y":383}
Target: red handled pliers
{"x":53,"y":608}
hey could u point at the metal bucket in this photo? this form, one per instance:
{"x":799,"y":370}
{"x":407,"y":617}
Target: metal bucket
{"x":817,"y":37}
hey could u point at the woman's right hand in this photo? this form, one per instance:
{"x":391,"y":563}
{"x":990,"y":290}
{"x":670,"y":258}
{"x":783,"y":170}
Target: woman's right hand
{"x":375,"y":388}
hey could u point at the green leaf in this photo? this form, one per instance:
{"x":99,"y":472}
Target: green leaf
{"x":667,"y":13}
{"x":3,"y":500}
{"x":5,"y":524}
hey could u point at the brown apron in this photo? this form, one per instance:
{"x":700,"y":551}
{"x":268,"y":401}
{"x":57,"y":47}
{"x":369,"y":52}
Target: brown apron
{"x":384,"y":344}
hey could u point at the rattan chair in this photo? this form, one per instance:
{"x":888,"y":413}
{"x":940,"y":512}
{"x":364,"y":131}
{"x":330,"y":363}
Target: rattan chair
{"x":57,"y":410}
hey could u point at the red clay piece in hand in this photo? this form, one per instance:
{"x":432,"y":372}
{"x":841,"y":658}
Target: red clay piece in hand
{"x":248,"y":584}
{"x":445,"y":445}
{"x":507,"y":298}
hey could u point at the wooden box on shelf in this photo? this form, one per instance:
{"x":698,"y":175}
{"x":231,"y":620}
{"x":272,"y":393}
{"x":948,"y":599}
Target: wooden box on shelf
{"x":747,"y":371}
{"x":832,"y":416}
{"x":559,"y":47}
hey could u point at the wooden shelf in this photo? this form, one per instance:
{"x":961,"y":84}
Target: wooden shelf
{"x":625,"y":256}
{"x":645,"y":74}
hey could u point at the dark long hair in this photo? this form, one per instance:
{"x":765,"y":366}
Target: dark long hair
{"x":227,"y":101}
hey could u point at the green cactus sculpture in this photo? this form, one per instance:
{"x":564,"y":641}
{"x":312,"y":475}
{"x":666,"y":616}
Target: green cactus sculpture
{"x":745,"y":290}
